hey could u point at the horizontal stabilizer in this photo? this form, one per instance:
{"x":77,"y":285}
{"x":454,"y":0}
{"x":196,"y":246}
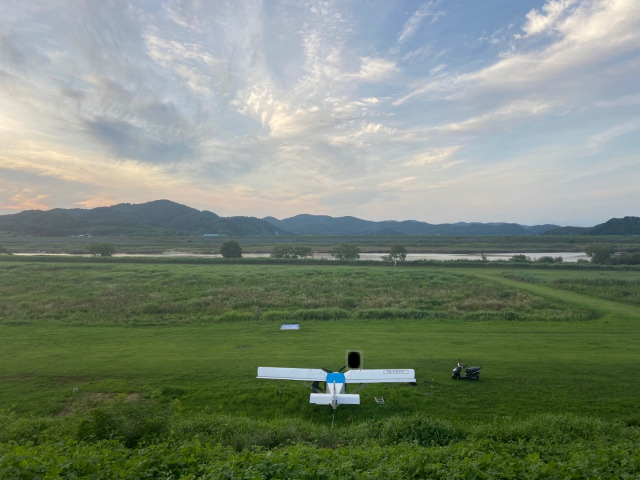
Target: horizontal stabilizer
{"x":406,"y":375}
{"x":342,"y":398}
{"x":304,"y":374}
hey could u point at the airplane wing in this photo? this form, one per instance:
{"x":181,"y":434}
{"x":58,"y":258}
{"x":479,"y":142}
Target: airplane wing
{"x":304,"y":374}
{"x":380,"y":376}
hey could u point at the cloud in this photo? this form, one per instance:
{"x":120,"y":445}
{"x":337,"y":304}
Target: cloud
{"x":266,"y":107}
{"x":413,"y":24}
{"x":623,"y":101}
{"x":369,"y":133}
{"x":500,"y":118}
{"x":375,"y":69}
{"x":434,"y":156}
{"x":589,"y":36}
{"x":84,"y":167}
{"x":124,"y":140}
{"x":554,"y":12}
{"x":504,"y":118}
{"x":397,"y":183}
{"x":188,"y":61}
{"x":596,"y":142}
{"x":27,"y":198}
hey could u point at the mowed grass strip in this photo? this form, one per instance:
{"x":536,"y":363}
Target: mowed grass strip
{"x":559,"y":288}
{"x":618,"y":286}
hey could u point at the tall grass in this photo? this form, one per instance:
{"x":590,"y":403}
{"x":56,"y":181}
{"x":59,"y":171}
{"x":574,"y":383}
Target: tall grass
{"x":178,"y":294}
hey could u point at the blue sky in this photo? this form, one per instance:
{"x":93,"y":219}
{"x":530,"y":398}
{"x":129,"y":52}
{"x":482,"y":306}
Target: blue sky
{"x":440,"y":111}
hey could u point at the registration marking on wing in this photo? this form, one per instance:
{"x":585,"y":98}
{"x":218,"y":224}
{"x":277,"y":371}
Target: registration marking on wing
{"x":395,"y":372}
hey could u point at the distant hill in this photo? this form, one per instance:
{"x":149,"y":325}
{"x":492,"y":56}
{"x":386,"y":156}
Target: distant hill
{"x":614,"y":226}
{"x":160,"y":217}
{"x":325,"y":225}
{"x":164,"y":217}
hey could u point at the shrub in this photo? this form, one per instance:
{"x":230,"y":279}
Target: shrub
{"x":346,"y":251}
{"x":626,"y":259}
{"x":101,"y":249}
{"x":418,"y":430}
{"x":234,"y":316}
{"x":549,"y":259}
{"x":128,"y":421}
{"x":329,"y":313}
{"x":277,"y":316}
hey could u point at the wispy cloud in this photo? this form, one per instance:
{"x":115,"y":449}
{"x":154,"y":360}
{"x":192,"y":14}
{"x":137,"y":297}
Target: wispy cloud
{"x":589,"y":35}
{"x":596,"y":142}
{"x":440,"y":156}
{"x":277,"y":108}
{"x":426,"y":11}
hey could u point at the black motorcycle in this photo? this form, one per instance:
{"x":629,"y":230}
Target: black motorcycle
{"x":470,"y":373}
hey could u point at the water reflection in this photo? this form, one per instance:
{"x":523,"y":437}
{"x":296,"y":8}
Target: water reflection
{"x":566,"y":256}
{"x":492,"y":257}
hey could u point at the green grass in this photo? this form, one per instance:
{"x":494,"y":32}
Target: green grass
{"x":619,"y":286}
{"x":126,"y":361}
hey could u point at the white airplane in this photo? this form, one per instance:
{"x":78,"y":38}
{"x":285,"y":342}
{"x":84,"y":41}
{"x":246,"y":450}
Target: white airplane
{"x":335,"y":393}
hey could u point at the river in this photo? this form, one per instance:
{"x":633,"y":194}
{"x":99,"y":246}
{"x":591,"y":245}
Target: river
{"x":566,"y":256}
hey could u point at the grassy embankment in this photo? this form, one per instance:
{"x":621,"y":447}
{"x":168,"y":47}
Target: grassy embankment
{"x":112,"y":360}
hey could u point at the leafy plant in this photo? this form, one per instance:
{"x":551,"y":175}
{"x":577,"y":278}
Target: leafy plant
{"x":128,"y":421}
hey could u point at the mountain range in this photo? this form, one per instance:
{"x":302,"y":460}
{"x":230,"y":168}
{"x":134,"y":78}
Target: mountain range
{"x":160,"y":217}
{"x":164,"y":217}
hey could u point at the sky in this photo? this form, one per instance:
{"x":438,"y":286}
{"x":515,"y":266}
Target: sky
{"x":441,"y":111}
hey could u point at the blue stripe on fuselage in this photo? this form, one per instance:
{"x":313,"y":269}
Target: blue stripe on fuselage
{"x":335,"y":377}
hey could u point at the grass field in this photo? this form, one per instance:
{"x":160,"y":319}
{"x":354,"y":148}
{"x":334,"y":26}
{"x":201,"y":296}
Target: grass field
{"x":124,"y":361}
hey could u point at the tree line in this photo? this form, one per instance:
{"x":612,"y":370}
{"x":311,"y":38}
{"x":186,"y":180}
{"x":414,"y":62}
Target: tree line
{"x":600,"y":253}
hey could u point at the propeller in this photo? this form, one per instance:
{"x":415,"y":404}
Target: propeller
{"x":334,"y":371}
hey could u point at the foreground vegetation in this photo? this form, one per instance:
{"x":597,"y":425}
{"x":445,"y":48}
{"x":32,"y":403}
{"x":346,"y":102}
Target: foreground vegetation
{"x":549,"y":446}
{"x":114,"y":370}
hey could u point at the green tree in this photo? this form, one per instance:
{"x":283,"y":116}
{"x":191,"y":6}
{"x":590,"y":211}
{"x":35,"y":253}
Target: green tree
{"x":545,"y":259}
{"x":626,"y":259}
{"x":101,"y":249}
{"x":231,"y":249}
{"x":599,"y":252}
{"x":290,"y":251}
{"x":398,"y":253}
{"x":345,"y":251}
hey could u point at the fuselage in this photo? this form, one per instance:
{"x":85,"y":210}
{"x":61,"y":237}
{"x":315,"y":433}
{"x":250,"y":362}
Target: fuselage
{"x":334,"y":394}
